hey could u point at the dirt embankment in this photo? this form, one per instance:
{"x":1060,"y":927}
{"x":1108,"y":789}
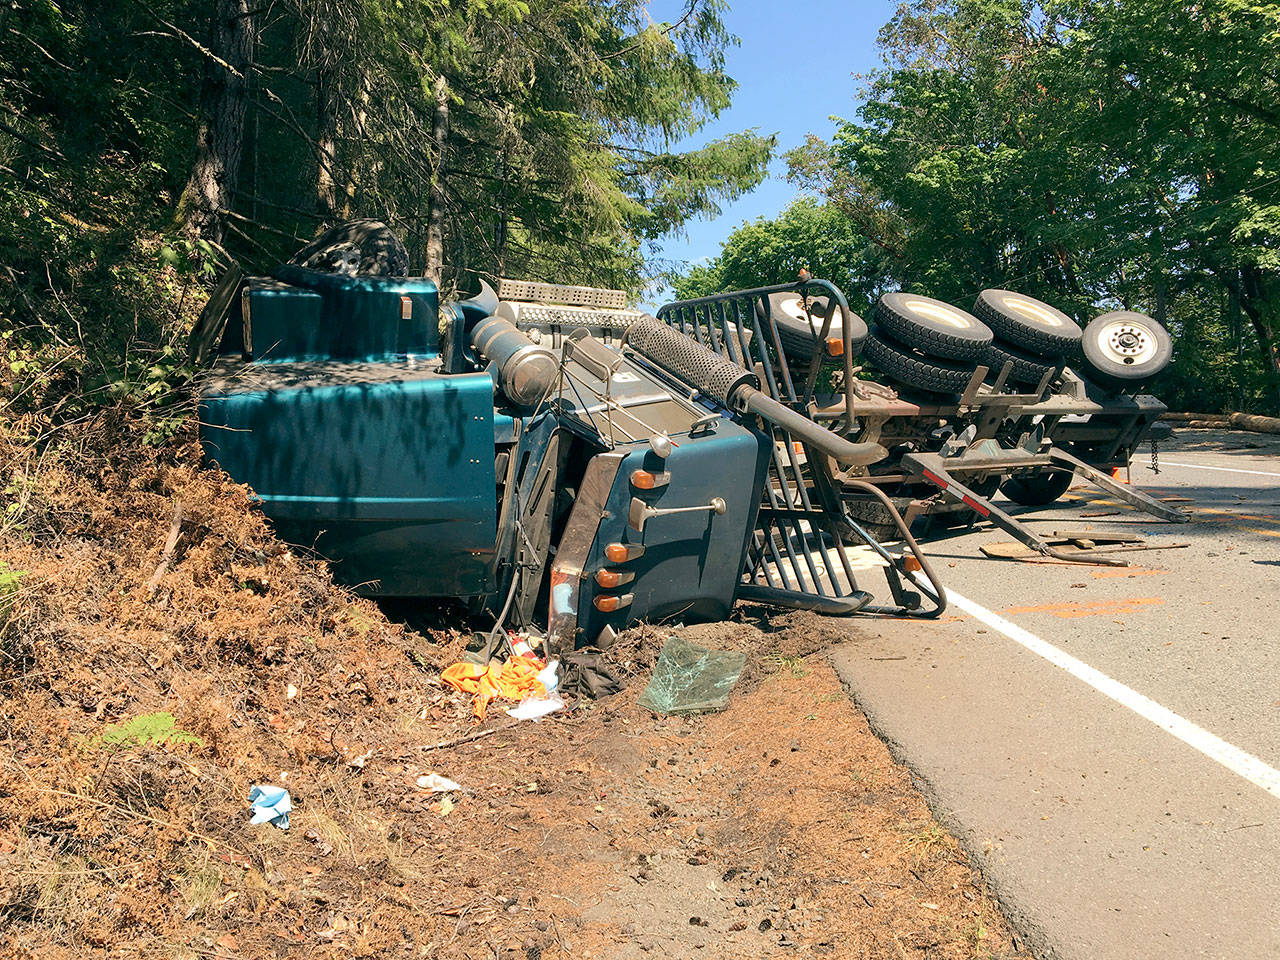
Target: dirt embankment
{"x":162,"y":653}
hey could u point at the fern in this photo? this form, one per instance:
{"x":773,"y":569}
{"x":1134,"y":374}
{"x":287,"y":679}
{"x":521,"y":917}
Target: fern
{"x":9,"y":582}
{"x":148,"y":730}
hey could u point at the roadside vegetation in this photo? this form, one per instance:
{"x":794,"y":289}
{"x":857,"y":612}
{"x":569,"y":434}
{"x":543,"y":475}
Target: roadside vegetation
{"x":144,"y":145}
{"x":1094,"y":155}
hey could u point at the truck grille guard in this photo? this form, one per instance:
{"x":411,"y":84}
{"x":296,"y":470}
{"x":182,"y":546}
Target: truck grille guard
{"x":796,"y":556}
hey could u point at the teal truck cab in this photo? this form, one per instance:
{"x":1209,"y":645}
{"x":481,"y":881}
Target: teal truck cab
{"x":542,"y":452}
{"x":541,"y":472}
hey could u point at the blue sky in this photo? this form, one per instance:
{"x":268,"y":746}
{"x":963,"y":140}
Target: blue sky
{"x":795,"y":70}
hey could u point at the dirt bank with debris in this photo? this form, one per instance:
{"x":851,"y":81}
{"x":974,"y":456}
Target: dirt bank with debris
{"x":162,"y":653}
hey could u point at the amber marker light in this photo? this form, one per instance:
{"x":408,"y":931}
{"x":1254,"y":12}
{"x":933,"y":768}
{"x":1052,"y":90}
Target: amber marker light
{"x":645,"y":480}
{"x":610,"y":604}
{"x":613,"y":578}
{"x":622,"y":552}
{"x":835,"y":346}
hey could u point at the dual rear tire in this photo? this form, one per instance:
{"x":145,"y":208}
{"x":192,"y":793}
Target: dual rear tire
{"x":1122,"y":349}
{"x":926,"y":344}
{"x":1037,"y":489}
{"x":1032,"y":337}
{"x":933,"y":346}
{"x":799,"y":321}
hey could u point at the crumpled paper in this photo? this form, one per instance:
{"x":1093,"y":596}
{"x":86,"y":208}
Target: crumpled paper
{"x":270,"y":805}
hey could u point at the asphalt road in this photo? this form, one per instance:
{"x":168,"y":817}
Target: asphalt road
{"x":1106,"y":741}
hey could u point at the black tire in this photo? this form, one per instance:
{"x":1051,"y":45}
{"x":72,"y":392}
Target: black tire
{"x":1026,"y":369}
{"x":914,"y":369}
{"x":357,"y":248}
{"x":798,"y":338}
{"x":933,"y":327}
{"x":1037,"y":489}
{"x":1125,"y":348}
{"x":872,"y":516}
{"x":1029,"y":324}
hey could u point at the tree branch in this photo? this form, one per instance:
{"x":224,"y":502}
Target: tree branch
{"x":693,"y":5}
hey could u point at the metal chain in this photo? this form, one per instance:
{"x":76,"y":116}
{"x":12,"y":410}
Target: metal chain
{"x":1155,"y":456}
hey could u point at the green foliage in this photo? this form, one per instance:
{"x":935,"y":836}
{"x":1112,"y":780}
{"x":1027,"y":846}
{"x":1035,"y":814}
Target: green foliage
{"x":807,"y":235}
{"x":1093,"y":154}
{"x":190,"y":258}
{"x":10,"y":579}
{"x":776,"y":663}
{"x":93,"y":146}
{"x":147,"y":730}
{"x":557,"y":160}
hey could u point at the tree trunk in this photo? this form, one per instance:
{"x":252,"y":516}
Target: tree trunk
{"x":1237,"y":340}
{"x":500,"y":223}
{"x":436,"y":196}
{"x":326,"y":142}
{"x":1245,"y":421}
{"x":224,"y":100}
{"x":370,"y":167}
{"x":1270,"y":353}
{"x":1247,"y":287}
{"x":1068,"y":269}
{"x":1161,"y":311}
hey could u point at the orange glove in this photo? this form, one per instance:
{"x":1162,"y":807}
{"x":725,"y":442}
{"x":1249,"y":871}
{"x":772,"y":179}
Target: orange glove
{"x":513,"y":680}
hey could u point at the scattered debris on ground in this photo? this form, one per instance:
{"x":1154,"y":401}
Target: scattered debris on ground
{"x":1068,"y":544}
{"x":161,"y":656}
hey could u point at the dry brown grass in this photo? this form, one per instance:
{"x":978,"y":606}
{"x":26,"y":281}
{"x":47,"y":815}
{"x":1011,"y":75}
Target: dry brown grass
{"x":141,"y":847}
{"x":102,"y":844}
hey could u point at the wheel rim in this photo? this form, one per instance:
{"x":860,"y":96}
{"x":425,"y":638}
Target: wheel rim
{"x":793,"y":307}
{"x":1126,"y":343}
{"x":1030,"y":310}
{"x":940,"y":312}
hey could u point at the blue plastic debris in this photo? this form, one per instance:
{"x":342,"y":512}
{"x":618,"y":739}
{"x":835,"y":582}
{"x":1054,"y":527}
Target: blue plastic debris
{"x":270,"y":805}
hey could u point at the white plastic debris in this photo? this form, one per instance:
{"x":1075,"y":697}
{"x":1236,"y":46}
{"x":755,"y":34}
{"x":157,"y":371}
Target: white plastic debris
{"x":535,"y":709}
{"x":549,"y":676}
{"x":270,"y":804}
{"x":437,"y":784}
{"x":359,"y":762}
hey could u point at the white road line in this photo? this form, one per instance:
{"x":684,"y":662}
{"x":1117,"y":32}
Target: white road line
{"x":1200,"y":466}
{"x":1215,"y":748}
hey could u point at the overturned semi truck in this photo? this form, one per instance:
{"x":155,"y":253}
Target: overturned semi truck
{"x":541,"y":452}
{"x":573,"y":466}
